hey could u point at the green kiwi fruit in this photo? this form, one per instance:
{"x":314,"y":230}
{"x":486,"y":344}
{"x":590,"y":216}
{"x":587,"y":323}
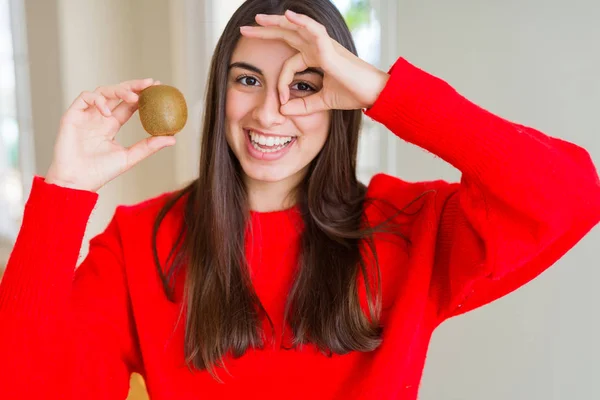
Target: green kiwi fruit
{"x":163,"y":110}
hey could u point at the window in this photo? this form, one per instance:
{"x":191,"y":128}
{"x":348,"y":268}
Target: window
{"x":363,"y":19}
{"x":16,"y":164}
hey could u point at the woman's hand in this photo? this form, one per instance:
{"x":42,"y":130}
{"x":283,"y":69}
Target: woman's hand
{"x":348,"y":82}
{"x":86,"y":154}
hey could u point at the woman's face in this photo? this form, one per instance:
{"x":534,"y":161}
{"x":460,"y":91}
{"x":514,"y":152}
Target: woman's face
{"x":270,"y":146}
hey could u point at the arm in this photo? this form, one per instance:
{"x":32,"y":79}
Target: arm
{"x":65,"y":333}
{"x":523,"y":201}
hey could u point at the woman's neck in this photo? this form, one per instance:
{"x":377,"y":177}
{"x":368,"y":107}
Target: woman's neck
{"x":266,"y":196}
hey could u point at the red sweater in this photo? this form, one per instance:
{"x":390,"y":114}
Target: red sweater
{"x":523,"y":201}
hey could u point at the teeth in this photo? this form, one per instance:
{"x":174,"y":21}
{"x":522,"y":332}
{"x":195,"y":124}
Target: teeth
{"x":263,"y":150}
{"x":277,"y":142}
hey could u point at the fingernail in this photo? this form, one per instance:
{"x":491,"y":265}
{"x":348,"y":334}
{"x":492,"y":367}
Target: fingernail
{"x":107,"y":110}
{"x":291,"y":12}
{"x":261,"y":15}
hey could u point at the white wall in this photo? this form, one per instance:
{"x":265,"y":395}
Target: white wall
{"x":109,"y":41}
{"x":195,"y":26}
{"x":79,"y":45}
{"x":536,"y":62}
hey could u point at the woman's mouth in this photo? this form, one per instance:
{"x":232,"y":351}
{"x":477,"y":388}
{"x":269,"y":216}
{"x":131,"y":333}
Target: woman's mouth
{"x":267,"y":147}
{"x":268,"y":144}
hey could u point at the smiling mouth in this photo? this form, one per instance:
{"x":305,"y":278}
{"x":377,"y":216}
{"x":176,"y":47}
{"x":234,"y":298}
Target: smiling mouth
{"x":268,"y":143}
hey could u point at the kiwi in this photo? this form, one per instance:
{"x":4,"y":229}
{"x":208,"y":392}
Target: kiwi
{"x":163,"y":110}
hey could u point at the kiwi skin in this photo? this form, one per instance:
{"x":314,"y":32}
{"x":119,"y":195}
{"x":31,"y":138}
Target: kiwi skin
{"x":163,"y":110}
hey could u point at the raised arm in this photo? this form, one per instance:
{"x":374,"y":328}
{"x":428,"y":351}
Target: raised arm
{"x":524,"y":199}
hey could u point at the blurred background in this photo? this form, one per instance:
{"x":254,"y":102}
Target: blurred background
{"x":536,"y":62}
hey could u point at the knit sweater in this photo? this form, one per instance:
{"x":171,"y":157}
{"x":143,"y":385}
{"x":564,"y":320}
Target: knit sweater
{"x":524,"y":199}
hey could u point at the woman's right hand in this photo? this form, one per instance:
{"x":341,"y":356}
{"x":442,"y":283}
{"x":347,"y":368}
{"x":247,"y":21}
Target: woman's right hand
{"x":86,"y":155}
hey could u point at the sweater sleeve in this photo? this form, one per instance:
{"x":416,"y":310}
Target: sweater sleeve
{"x":523,"y":201}
{"x":66,"y":333}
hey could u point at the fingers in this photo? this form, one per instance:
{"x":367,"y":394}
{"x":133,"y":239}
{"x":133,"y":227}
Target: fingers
{"x":274,"y":32}
{"x":276,"y":20}
{"x":297,"y":30}
{"x":123,"y":112}
{"x":91,"y":99}
{"x":146,"y":148}
{"x":312,"y":26}
{"x":291,"y":66}
{"x":305,"y":105}
{"x":107,"y":98}
{"x":282,"y":21}
{"x":125,"y":91}
{"x":139,"y":84}
{"x":304,"y":25}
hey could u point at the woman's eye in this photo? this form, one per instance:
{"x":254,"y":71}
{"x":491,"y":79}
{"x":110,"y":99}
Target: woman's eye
{"x":248,"y":81}
{"x":303,"y":86}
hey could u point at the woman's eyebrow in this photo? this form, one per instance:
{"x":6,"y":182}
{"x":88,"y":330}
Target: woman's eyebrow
{"x":243,"y":65}
{"x":250,"y":67}
{"x":311,"y":70}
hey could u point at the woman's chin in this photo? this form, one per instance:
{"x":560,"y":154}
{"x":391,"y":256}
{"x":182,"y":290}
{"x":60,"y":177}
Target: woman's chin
{"x":266,"y":176}
{"x":269,"y":173}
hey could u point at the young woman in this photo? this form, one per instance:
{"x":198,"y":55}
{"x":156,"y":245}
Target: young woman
{"x":276,"y":274}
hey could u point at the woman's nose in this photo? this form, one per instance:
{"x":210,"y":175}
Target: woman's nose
{"x":267,"y":112}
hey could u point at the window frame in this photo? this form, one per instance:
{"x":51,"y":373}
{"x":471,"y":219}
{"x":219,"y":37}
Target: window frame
{"x":26,"y":163}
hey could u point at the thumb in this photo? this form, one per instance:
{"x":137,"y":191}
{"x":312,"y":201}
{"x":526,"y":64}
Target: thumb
{"x":304,"y":105}
{"x":147,"y":147}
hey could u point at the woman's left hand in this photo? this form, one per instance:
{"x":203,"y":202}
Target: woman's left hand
{"x":348,"y":82}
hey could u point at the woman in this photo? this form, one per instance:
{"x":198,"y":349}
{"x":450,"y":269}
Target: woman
{"x":276,"y":274}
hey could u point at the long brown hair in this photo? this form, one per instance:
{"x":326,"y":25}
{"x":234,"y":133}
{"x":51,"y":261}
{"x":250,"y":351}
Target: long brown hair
{"x":223,"y":312}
